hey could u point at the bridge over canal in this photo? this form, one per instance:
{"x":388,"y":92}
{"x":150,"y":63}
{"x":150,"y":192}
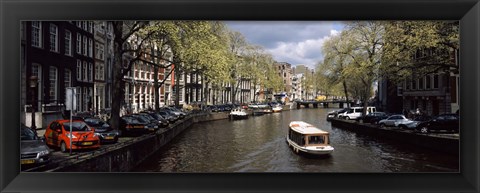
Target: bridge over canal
{"x":324,"y":103}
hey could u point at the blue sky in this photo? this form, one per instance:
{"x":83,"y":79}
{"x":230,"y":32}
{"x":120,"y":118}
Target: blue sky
{"x":295,"y":42}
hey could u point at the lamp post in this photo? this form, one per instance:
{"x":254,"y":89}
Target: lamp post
{"x":33,"y":85}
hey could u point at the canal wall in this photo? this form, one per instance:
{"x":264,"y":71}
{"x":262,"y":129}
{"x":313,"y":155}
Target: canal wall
{"x":435,"y":142}
{"x":125,"y":157}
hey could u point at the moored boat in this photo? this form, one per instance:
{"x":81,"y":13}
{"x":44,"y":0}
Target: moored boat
{"x":306,"y":138}
{"x":238,"y":113}
{"x":277,"y":108}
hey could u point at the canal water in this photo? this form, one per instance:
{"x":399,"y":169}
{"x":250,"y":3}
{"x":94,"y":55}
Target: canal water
{"x":258,"y":144}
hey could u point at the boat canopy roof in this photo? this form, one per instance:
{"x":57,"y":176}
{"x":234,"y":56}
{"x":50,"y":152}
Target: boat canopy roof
{"x":305,"y":128}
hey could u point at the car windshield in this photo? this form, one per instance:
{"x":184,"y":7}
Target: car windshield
{"x":142,"y":118}
{"x":76,"y":126}
{"x":147,"y":116}
{"x":27,"y":134}
{"x":94,"y":122}
{"x":156,"y":116}
{"x":131,"y":120}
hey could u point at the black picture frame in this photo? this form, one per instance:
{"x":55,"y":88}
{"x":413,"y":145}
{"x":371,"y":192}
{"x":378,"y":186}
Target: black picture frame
{"x":12,"y":12}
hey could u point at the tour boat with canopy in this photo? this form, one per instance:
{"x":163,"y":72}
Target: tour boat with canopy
{"x":304,"y":137}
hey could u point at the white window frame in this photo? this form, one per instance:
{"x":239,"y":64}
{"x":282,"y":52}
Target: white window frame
{"x":67,"y":78}
{"x":85,"y":99}
{"x":90,"y":47}
{"x":37,"y":34}
{"x":79,"y":24}
{"x":68,"y":43}
{"x":79,"y":70}
{"x":79,"y":98}
{"x":85,"y":45}
{"x":99,"y":51}
{"x":90,"y":27}
{"x":84,"y":24}
{"x":84,"y":72}
{"x":90,"y":72}
{"x":53,"y":83}
{"x":53,"y":38}
{"x":79,"y":43}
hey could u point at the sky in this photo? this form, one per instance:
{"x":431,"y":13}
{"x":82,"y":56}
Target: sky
{"x":295,"y":42}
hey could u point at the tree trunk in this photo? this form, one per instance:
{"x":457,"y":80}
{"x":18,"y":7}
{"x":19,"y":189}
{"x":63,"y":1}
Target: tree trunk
{"x":118,"y":90}
{"x":346,"y":93}
{"x":156,"y":87}
{"x":177,"y":85}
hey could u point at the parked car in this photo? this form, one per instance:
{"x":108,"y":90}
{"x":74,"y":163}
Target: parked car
{"x":334,"y":114}
{"x":395,"y":121}
{"x":103,"y":130}
{"x":150,"y":122}
{"x":374,"y":117}
{"x":415,"y":122}
{"x":161,"y":121}
{"x":131,"y":126}
{"x":355,"y":113}
{"x":33,"y":150}
{"x":58,"y":135}
{"x":169,"y":116}
{"x":445,"y":122}
{"x":177,"y":112}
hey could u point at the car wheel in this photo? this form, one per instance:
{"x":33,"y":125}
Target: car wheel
{"x":404,"y":127}
{"x":382,"y":125}
{"x":424,"y":130}
{"x":63,"y":147}
{"x":347,"y":118}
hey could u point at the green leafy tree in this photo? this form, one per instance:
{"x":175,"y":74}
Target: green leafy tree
{"x":418,"y":48}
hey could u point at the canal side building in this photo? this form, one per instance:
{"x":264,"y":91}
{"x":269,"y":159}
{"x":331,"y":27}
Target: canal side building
{"x":60,"y":55}
{"x":285,"y":71}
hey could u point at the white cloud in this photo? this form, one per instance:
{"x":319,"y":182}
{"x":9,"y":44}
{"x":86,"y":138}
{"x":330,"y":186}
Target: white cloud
{"x":295,"y":42}
{"x":307,"y":52}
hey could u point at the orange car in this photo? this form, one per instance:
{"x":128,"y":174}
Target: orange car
{"x":83,"y":136}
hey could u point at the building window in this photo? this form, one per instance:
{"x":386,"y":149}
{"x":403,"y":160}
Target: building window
{"x":90,"y":47}
{"x":420,"y":83}
{"x":85,"y":46}
{"x":68,"y":78}
{"x":90,"y":27}
{"x":99,"y":51}
{"x":79,"y":95}
{"x":414,"y":84}
{"x":84,"y":23}
{"x":435,"y":81}
{"x":99,"y":73}
{"x":37,"y":34}
{"x":90,"y":72}
{"x":79,"y":43}
{"x":68,"y":43}
{"x":84,"y":73}
{"x":53,"y":83}
{"x":428,"y":81}
{"x":85,"y":98}
{"x":53,"y":38}
{"x":79,"y":24}
{"x":79,"y":70}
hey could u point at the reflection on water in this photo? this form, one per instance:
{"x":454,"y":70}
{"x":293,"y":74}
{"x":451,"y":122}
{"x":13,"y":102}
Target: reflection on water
{"x":258,"y":144}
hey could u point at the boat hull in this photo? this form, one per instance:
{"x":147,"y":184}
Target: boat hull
{"x":316,"y":150}
{"x":239,"y":117}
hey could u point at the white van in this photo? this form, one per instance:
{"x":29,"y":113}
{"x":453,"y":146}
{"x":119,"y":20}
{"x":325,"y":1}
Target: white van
{"x":356,"y":112}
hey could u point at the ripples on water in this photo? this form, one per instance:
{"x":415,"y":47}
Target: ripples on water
{"x":258,"y":144}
